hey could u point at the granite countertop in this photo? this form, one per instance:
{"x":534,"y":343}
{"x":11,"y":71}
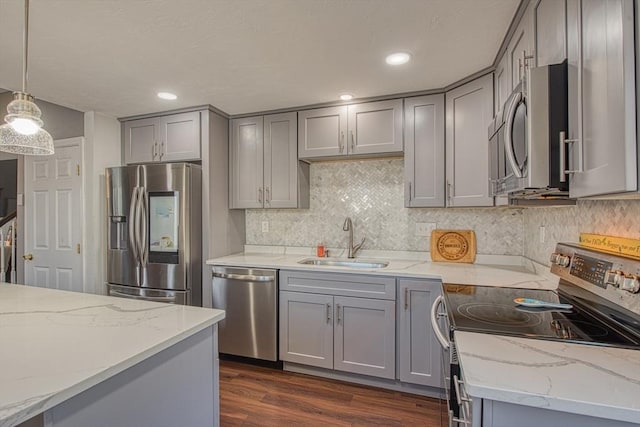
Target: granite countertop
{"x":56,"y":344}
{"x":512,"y":274}
{"x":582,"y":379}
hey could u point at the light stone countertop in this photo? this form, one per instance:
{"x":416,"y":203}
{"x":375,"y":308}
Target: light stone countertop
{"x":512,"y":274}
{"x":582,"y":379}
{"x":56,"y":344}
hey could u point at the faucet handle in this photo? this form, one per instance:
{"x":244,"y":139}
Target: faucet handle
{"x":347,"y":224}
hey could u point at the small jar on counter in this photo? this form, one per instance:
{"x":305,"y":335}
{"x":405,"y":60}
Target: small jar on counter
{"x":320,"y":250}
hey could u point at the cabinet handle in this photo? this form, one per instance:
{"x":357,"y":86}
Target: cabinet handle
{"x":406,"y":299}
{"x":563,"y":169}
{"x":161,"y":150}
{"x":267,"y":195}
{"x":449,"y":196}
{"x":338,"y":313}
{"x":153,"y":150}
{"x":328,"y":313}
{"x":409,"y":190}
{"x":341,"y":141}
{"x":353,"y":142}
{"x":259,"y":194}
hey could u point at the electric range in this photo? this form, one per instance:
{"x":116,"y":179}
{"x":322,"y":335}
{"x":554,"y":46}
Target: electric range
{"x":590,"y":281}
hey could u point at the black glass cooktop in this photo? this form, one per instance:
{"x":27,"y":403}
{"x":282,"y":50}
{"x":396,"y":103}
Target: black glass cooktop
{"x":592,"y":319}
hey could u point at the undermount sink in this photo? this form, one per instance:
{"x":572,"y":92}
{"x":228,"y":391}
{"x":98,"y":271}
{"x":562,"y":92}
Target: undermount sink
{"x":345,"y":262}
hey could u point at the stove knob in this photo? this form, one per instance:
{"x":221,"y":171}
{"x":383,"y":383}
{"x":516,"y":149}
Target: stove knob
{"x":613,"y":277}
{"x":631,"y":284}
{"x":564,"y":261}
{"x":554,"y":258}
{"x":618,"y":279}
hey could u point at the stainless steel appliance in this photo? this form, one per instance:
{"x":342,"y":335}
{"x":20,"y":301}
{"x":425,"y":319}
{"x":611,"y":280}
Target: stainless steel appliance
{"x":154,"y":232}
{"x":250,"y":299}
{"x":526,"y":151}
{"x":586,"y":276}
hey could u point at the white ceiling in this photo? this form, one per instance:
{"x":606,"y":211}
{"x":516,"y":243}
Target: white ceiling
{"x":241,"y":56}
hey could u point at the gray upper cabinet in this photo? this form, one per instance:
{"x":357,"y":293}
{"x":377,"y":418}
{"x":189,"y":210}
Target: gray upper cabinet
{"x":169,"y":138}
{"x":549,"y":18}
{"x":419,"y":352}
{"x":359,"y":129}
{"x":502,"y":84}
{"x":247,"y":163}
{"x":602,"y":97}
{"x":265,"y":172}
{"x":424,"y":151}
{"x":322,"y":132}
{"x":520,"y":50}
{"x":375,"y":127}
{"x":469,"y":109}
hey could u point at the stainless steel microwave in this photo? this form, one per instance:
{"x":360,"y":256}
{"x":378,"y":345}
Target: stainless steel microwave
{"x":524,"y":138}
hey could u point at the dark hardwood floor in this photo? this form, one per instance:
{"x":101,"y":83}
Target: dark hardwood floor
{"x":257,"y":396}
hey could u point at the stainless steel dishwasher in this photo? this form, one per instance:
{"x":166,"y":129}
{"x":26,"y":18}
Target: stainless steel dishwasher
{"x":250,"y":298}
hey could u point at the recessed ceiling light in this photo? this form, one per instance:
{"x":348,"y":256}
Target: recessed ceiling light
{"x":346,"y":97}
{"x":167,"y":95}
{"x":398,"y":58}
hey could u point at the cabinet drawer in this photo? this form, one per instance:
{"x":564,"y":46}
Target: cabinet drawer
{"x":352,"y":285}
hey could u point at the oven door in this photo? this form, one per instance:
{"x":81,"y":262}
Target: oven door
{"x":516,"y":144}
{"x":440,"y":323}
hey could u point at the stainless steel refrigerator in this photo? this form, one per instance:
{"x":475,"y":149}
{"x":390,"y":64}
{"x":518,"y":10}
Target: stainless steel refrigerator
{"x":155,"y":232}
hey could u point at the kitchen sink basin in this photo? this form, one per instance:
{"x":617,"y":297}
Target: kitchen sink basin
{"x":345,"y":262}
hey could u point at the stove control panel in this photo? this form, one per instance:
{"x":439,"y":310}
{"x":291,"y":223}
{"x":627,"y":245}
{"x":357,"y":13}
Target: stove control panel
{"x":573,"y":262}
{"x":590,"y":269}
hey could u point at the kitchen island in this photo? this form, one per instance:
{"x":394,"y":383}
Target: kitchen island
{"x":72,"y":359}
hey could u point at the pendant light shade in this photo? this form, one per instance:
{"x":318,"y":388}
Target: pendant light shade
{"x":23,"y":133}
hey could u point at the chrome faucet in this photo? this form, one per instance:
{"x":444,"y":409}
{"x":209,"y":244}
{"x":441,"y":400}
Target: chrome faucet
{"x":348,"y":226}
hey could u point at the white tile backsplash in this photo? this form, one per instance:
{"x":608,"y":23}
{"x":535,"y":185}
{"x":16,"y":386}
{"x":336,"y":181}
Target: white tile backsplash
{"x":371,"y":193}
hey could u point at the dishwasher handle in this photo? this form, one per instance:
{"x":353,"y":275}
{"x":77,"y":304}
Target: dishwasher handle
{"x":243,"y":277}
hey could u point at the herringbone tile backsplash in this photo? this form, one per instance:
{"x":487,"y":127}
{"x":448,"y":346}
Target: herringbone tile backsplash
{"x":564,"y":224}
{"x":371,"y":193}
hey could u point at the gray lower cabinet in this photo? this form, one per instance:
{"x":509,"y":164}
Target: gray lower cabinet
{"x":602,"y":97}
{"x":326,"y":326}
{"x":264,"y":167}
{"x":170,"y":138}
{"x":419,"y":352}
{"x":360,"y":129}
{"x":424,"y":151}
{"x":469,"y":109}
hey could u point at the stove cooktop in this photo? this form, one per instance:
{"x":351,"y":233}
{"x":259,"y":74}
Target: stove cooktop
{"x":592,"y":320}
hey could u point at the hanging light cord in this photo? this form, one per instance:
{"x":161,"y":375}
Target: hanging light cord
{"x":25,"y":46}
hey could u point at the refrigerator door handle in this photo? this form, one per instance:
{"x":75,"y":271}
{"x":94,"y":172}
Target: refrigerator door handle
{"x":144,"y":224}
{"x":132,"y":223}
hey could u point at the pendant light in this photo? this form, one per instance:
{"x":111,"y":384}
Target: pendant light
{"x":22,"y":133}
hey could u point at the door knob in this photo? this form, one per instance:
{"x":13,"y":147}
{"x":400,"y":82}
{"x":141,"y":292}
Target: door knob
{"x":27,"y":257}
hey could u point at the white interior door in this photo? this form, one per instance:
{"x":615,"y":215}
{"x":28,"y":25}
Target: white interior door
{"x":53,"y":217}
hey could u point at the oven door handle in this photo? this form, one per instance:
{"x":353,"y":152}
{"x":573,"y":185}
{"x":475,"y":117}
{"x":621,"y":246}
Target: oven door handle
{"x":434,"y":322}
{"x":508,"y":133}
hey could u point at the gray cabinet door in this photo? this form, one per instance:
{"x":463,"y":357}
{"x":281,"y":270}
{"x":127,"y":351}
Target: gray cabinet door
{"x":141,"y":141}
{"x":364,"y":334}
{"x":306,"y":329}
{"x":418,"y":350}
{"x":521,"y":45}
{"x":550,"y":35}
{"x":424,"y":151}
{"x":602,"y":97}
{"x":469,"y":109}
{"x":179,"y":137}
{"x":246,"y":168}
{"x":375,"y":127}
{"x":322,"y":132}
{"x":280,"y":161}
{"x":502,"y":84}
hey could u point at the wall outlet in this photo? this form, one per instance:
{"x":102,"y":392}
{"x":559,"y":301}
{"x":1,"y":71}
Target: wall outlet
{"x":265,"y":226}
{"x":543,"y":232}
{"x":424,"y":229}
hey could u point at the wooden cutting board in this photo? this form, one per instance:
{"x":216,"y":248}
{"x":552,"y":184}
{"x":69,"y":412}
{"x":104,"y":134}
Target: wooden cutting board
{"x":453,"y":246}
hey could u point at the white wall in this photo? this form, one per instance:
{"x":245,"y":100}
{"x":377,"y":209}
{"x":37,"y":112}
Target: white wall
{"x":102,"y":149}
